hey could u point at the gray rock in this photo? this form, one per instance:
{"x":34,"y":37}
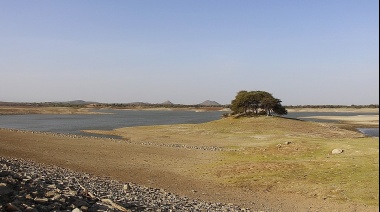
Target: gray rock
{"x":126,"y":187}
{"x":4,"y":173}
{"x":41,"y":200}
{"x":79,"y":203}
{"x":52,"y":186}
{"x":4,"y":189}
{"x":10,"y":207}
{"x":84,"y":208}
{"x":337,"y":151}
{"x":56,"y":189}
{"x":50,"y":194}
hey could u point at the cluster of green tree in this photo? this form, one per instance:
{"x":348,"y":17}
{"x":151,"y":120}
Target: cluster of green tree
{"x":334,"y":106}
{"x":256,"y":103}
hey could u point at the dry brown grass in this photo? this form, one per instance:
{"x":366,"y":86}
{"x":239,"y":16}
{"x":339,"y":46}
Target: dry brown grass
{"x":270,"y":154}
{"x":284,"y":163}
{"x":230,"y":132}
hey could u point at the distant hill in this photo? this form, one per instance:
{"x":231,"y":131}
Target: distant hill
{"x":167,"y":103}
{"x":209,"y":103}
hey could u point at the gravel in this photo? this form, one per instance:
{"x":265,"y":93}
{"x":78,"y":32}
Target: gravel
{"x":146,"y":143}
{"x":29,"y":186}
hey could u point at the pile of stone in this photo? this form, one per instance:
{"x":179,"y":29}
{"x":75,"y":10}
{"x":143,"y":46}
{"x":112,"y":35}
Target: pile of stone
{"x":29,"y":186}
{"x":206,"y":148}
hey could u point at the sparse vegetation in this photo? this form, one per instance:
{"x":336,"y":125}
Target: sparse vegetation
{"x":273,"y":154}
{"x":266,"y":154}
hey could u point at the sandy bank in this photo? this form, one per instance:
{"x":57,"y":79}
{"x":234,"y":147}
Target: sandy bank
{"x":353,"y":110}
{"x":367,"y":120}
{"x":10,"y":110}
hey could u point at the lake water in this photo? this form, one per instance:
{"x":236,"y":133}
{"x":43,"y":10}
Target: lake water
{"x":370,"y":131}
{"x":73,"y":124}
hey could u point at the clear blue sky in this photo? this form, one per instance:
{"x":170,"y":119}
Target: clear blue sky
{"x":120,"y":51}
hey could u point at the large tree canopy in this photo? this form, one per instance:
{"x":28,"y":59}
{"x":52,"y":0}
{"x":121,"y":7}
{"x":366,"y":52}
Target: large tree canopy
{"x":257,"y":102}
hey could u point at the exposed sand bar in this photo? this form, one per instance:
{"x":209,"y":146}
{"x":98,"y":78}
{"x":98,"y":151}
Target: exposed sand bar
{"x":370,"y":120}
{"x":346,"y":110}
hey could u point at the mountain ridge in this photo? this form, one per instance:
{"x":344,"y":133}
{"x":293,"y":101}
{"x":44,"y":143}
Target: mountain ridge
{"x":210,"y":103}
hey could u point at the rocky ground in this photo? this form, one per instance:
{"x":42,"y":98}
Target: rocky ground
{"x":29,"y":186}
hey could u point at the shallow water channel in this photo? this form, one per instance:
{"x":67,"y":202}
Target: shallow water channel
{"x":112,"y":119}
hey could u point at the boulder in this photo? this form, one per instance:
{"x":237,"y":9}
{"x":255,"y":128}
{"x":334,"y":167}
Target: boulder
{"x":337,"y":151}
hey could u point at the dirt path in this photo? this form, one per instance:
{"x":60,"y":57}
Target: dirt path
{"x":177,"y":170}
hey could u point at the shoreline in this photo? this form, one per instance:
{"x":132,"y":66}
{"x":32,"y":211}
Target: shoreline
{"x":361,"y":120}
{"x":172,"y":157}
{"x":348,"y":110}
{"x":23,"y":110}
{"x":47,"y":149}
{"x":9,"y":110}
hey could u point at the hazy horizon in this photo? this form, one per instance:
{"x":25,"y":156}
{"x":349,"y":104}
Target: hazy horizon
{"x":174,"y":103}
{"x":303,"y":52}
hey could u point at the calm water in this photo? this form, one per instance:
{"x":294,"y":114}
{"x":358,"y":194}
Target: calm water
{"x":73,"y":124}
{"x":370,"y":131}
